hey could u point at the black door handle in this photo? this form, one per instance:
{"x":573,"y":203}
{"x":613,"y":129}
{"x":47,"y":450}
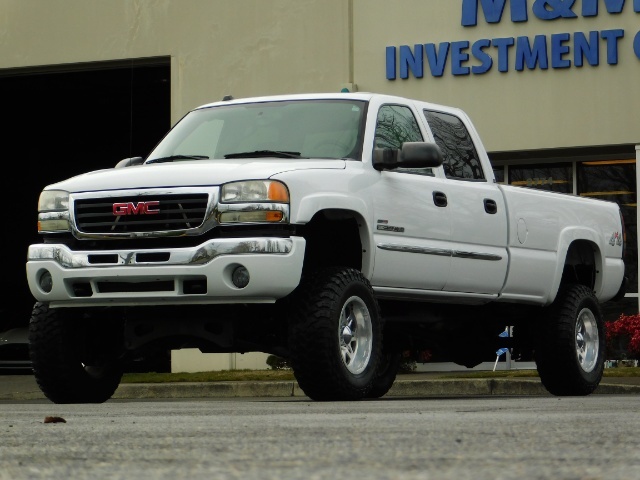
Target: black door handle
{"x":490,"y":206}
{"x":440,"y":199}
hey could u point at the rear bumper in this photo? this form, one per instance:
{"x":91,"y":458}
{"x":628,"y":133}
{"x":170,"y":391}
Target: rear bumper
{"x":196,"y":275}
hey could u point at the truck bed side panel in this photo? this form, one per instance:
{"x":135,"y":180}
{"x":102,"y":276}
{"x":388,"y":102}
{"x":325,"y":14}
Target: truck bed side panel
{"x":542,"y":226}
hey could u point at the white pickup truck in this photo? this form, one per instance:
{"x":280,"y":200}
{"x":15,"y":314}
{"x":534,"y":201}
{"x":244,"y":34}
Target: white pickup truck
{"x":333,"y":230}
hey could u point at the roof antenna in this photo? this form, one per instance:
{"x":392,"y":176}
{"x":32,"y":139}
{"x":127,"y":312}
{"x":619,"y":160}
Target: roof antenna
{"x":226,"y":98}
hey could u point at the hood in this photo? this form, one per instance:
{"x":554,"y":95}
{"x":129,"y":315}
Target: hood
{"x":192,"y":174}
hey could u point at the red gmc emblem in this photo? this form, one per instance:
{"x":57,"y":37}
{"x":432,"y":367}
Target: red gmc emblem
{"x":140,"y":208}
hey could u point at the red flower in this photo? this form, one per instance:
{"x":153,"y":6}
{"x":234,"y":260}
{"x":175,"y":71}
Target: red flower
{"x":625,"y":326}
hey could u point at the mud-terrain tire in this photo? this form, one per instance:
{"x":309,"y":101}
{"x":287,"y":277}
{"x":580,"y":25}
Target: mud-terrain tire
{"x":73,"y":362}
{"x":570,"y":346}
{"x":387,"y":372}
{"x":335,"y":335}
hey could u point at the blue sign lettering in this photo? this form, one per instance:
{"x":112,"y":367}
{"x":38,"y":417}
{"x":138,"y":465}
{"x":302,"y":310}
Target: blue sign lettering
{"x":531,"y":55}
{"x":503,"y":45}
{"x":458,"y":57}
{"x":409,"y":61}
{"x":437,"y":60}
{"x":391,"y":63}
{"x":590,"y":7}
{"x":611,"y":37}
{"x":493,"y":10}
{"x":542,"y":9}
{"x":478,"y":51}
{"x":552,"y":9}
{"x":586,"y":49}
{"x":560,"y":50}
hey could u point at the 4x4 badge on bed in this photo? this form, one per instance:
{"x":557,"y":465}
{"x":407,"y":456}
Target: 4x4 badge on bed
{"x":616,"y":239}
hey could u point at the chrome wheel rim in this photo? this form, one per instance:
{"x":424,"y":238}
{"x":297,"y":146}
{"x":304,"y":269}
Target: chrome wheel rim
{"x":355,"y":335}
{"x":587,"y":340}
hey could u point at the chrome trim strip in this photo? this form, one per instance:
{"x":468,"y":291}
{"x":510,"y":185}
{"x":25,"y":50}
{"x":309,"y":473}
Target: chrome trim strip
{"x":411,"y":249}
{"x":198,"y":255}
{"x":439,"y":252}
{"x":476,"y":256}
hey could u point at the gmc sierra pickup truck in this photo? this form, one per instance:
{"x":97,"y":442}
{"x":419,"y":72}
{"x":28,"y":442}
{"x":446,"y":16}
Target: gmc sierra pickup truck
{"x":333,"y":230}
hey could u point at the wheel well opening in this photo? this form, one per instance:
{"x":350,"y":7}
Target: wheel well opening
{"x":333,"y":239}
{"x":580,"y":264}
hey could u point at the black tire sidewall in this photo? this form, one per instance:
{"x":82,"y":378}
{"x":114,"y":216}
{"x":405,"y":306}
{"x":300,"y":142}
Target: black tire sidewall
{"x":555,"y":351}
{"x":314,"y":339}
{"x":386,"y":375}
{"x":55,"y":343}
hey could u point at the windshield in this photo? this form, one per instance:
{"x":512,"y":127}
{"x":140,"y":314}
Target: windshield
{"x":287,"y":129}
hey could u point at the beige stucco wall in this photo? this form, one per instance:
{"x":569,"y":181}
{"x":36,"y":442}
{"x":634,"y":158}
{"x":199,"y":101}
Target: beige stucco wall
{"x":238,"y":47}
{"x":256,"y":47}
{"x":192,"y":360}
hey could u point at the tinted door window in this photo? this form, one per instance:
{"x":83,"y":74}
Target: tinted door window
{"x":396,"y":125}
{"x":459,"y":153}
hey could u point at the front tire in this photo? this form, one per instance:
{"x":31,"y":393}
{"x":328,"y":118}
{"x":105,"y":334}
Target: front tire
{"x":74,"y":356}
{"x":569,"y":351}
{"x":335,"y":335}
{"x":387,"y":373}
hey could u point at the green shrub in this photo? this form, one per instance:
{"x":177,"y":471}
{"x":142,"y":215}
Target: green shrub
{"x":407,"y":365}
{"x":278,"y":363}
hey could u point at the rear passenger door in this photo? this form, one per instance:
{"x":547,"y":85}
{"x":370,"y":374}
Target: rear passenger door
{"x":475,"y":207}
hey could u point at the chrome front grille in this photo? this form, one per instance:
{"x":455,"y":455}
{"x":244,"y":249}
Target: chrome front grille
{"x":169,"y":212}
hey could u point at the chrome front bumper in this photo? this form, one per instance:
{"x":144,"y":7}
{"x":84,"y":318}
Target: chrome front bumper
{"x":196,"y":275}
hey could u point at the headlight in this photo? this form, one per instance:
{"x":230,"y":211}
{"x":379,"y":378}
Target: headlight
{"x":254,"y":201}
{"x":53,"y":211}
{"x":52,"y":200}
{"x":254,"y":191}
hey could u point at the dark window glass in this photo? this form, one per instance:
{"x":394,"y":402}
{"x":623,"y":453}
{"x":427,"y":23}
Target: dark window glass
{"x":498,"y":172}
{"x":615,"y":180}
{"x":460,"y":155}
{"x":553,"y":177}
{"x":396,"y":125}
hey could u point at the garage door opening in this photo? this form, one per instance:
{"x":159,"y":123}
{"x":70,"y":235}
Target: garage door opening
{"x":65,"y":120}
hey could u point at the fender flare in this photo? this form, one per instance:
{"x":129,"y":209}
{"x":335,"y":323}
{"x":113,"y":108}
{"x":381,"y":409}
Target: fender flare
{"x":568,"y":236}
{"x":310,"y":205}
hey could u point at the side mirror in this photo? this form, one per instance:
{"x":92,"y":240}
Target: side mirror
{"x":411,"y":155}
{"x":129,"y":162}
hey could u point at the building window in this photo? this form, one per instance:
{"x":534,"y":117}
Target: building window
{"x":615,"y":180}
{"x":555,"y":177}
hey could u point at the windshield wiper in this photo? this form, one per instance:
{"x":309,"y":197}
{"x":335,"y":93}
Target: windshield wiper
{"x":264,"y":153}
{"x":171,"y":158}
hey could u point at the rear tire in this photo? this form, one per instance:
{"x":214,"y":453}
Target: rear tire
{"x":335,"y":335}
{"x":74,"y":357}
{"x":569,"y":350}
